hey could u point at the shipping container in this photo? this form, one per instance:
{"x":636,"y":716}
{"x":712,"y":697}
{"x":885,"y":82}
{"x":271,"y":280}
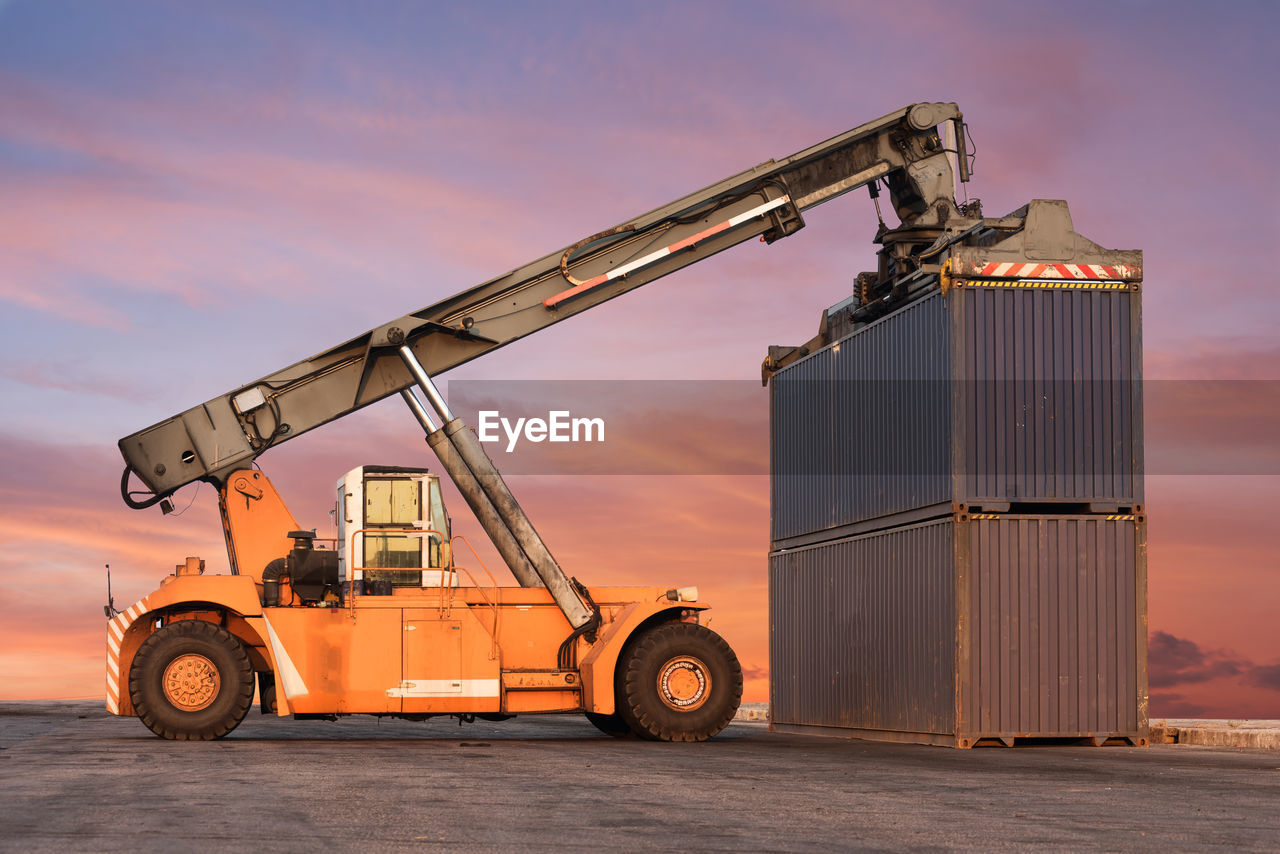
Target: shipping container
{"x":972,"y":628}
{"x":1002,"y":395}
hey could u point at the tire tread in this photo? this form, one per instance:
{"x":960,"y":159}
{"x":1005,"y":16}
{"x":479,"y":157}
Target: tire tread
{"x":645,"y":718}
{"x":155,"y":646}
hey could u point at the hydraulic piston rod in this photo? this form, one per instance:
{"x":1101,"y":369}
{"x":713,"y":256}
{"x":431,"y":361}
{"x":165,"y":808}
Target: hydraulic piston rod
{"x":474,"y":495}
{"x":483,"y":487}
{"x":419,"y":411}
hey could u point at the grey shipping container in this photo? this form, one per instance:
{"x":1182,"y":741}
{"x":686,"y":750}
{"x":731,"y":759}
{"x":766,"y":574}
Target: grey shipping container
{"x":997,"y":394}
{"x":963,"y":629}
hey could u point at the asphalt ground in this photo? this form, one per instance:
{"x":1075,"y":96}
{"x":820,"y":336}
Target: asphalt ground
{"x":73,"y":778}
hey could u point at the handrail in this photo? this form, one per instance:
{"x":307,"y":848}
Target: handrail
{"x":351,"y":550}
{"x":494,"y":648}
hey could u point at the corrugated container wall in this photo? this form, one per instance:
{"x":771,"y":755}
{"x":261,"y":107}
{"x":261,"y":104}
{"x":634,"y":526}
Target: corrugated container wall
{"x":965,"y":628}
{"x":996,"y":392}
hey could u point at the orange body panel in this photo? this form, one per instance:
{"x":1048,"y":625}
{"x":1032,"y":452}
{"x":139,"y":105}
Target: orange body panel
{"x":257,"y":522}
{"x":179,"y":596}
{"x":468,"y":650}
{"x":543,"y":701}
{"x":459,"y":650}
{"x":334,"y":660}
{"x":238,"y":593}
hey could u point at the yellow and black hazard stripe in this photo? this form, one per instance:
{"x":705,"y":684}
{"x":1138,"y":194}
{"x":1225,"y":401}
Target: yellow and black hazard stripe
{"x":1112,"y":517}
{"x":1046,"y":283}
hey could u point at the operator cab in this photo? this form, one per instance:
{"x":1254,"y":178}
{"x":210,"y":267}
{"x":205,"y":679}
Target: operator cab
{"x":393,"y":531}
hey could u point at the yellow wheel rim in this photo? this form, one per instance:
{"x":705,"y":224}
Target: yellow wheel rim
{"x":684,"y":683}
{"x":191,"y":682}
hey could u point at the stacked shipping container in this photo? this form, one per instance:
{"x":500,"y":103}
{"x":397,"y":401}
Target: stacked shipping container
{"x":958,"y":540}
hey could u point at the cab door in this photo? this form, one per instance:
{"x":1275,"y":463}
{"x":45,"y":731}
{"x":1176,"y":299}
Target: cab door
{"x":394,"y":503}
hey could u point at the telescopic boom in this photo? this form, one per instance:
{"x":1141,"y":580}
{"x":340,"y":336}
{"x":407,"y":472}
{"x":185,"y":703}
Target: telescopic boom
{"x":903,"y":150}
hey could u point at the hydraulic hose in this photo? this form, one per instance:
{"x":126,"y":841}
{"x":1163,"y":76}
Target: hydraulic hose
{"x":128,"y":496}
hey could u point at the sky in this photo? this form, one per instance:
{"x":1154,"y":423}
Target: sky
{"x":192,"y":196}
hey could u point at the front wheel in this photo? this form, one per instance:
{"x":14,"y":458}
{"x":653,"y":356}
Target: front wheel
{"x":191,"y":681}
{"x":679,"y":682}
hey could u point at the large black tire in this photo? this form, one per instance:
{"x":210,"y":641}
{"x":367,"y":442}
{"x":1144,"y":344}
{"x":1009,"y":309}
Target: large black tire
{"x":614,"y":725}
{"x":678,"y":682}
{"x":191,"y":681}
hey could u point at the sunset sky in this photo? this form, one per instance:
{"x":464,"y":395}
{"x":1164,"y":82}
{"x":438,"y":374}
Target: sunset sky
{"x":194,"y":195}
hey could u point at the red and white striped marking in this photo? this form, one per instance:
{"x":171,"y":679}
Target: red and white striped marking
{"x":116,"y":629}
{"x":645,"y":261}
{"x":1032,"y":270}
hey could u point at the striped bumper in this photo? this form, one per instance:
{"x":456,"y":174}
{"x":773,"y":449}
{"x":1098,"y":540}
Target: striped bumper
{"x":116,"y":629}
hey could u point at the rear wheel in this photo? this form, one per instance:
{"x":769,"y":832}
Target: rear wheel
{"x":614,"y":725}
{"x":191,"y":680}
{"x":679,"y":682}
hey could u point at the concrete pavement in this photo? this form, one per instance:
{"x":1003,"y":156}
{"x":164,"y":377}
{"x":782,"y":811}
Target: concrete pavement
{"x":73,"y":778}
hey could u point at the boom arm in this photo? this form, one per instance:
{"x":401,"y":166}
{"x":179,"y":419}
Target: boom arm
{"x":208,"y":442}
